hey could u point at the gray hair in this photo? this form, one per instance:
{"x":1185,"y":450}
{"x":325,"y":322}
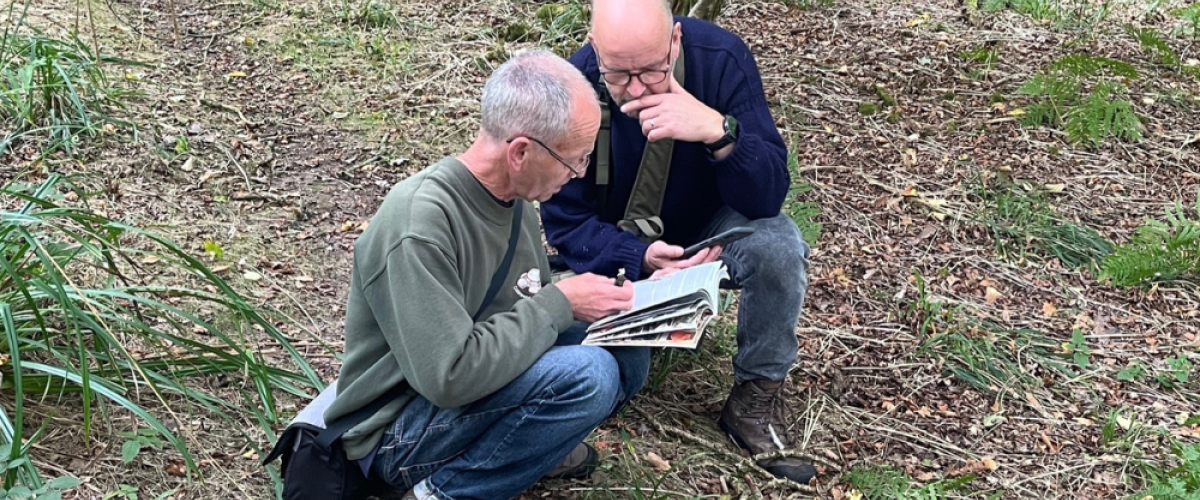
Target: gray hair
{"x":531,"y":94}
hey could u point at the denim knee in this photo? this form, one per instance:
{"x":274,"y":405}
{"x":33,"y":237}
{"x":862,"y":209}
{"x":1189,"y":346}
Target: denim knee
{"x":590,"y":376}
{"x":779,"y":255}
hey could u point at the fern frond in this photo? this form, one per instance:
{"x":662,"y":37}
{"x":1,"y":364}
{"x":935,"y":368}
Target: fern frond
{"x":1158,"y":251}
{"x":1084,"y":65}
{"x":1101,"y":116}
{"x":1154,"y":44}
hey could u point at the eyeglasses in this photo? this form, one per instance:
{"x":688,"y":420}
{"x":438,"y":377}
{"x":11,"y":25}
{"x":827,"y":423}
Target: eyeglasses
{"x":574,"y":173}
{"x":647,"y":77}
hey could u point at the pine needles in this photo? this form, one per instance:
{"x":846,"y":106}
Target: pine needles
{"x":1158,"y":251}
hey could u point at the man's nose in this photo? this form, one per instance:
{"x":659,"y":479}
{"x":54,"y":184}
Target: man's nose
{"x":635,"y":87}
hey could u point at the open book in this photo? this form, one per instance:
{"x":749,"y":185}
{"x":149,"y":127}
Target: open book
{"x":669,"y":312}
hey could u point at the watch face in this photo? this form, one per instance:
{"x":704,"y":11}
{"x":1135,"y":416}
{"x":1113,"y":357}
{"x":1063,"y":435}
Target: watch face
{"x":730,"y":126}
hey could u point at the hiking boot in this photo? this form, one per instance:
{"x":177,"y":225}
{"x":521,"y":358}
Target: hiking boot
{"x":753,"y":418}
{"x":579,"y":464}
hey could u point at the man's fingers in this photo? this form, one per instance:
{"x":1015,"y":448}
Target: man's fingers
{"x":646,"y":101}
{"x":676,"y":88}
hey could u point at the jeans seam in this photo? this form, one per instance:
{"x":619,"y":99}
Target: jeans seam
{"x":540,"y":401}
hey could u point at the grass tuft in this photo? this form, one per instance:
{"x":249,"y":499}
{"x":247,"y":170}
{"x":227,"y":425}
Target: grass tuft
{"x":103,"y":314}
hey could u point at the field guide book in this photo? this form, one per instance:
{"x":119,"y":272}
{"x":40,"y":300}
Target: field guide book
{"x":668,"y":312}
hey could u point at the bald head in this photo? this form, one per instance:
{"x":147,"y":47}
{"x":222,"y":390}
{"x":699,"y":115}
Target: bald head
{"x":625,"y":26}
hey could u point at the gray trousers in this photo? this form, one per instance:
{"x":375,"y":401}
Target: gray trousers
{"x":771,"y":268}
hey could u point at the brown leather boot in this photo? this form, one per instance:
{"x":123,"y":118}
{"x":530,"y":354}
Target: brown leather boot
{"x":753,"y":418}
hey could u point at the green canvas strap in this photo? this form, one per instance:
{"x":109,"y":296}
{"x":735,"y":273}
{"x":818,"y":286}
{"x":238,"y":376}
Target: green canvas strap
{"x":646,"y":198}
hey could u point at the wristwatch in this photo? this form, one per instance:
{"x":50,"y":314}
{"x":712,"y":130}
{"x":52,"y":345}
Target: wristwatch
{"x":731,"y":134}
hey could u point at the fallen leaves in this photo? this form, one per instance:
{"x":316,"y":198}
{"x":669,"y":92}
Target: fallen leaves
{"x":657,"y":462}
{"x":991,"y":295}
{"x":1048,"y":309}
{"x":985,"y":464}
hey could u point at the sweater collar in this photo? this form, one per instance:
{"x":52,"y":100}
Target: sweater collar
{"x":478,"y":197}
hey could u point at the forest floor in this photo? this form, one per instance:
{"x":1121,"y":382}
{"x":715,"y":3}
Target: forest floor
{"x":946,"y":349}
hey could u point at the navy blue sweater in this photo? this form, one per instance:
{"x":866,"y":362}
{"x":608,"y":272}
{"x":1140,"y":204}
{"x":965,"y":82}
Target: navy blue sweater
{"x":753,"y":179}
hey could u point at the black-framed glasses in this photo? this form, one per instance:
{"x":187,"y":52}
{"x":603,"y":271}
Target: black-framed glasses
{"x":647,"y":77}
{"x":574,"y":173}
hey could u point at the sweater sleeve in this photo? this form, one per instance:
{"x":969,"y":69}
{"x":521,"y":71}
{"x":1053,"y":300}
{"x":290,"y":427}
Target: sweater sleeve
{"x":588,"y":244}
{"x":572,"y":222}
{"x":753,"y":179}
{"x":444,"y":355}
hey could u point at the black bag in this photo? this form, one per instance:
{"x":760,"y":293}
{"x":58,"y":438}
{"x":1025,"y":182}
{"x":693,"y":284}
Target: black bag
{"x":313,"y":471}
{"x":314,"y":464}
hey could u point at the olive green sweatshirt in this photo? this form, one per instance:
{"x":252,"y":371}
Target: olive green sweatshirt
{"x":421,"y":270}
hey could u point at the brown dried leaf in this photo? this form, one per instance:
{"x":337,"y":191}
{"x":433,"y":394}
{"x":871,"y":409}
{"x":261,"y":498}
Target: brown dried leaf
{"x":991,"y":295}
{"x":1048,"y":309}
{"x":657,"y":462}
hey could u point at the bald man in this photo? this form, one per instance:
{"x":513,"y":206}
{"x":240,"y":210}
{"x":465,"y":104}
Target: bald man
{"x":728,"y":168}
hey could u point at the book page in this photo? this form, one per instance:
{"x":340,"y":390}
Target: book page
{"x":647,"y":293}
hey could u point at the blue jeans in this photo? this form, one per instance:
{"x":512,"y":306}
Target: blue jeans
{"x":498,"y":446}
{"x":771,"y":268}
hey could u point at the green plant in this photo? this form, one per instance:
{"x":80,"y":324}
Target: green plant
{"x":1132,"y":373}
{"x":1158,"y":251}
{"x":1190,"y":16}
{"x":804,"y":213}
{"x":995,"y":359}
{"x":1153,"y":44}
{"x":888,"y":483}
{"x":123,"y":491}
{"x":52,"y":91}
{"x":1078,"y":349}
{"x":1179,"y":371}
{"x":135,"y":441}
{"x":113,"y":316}
{"x":1074,"y":14}
{"x":564,"y":27}
{"x":703,"y":9}
{"x":1056,"y":99}
{"x":1022,"y":222}
{"x":984,"y":57}
{"x":1181,"y":482}
{"x":1101,"y":116}
{"x":50,"y":490}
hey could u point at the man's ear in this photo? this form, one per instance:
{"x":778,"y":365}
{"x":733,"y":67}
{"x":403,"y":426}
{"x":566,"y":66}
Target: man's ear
{"x":517,"y":152}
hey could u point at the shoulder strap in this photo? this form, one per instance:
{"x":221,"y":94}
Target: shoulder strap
{"x":646,"y":198}
{"x":502,"y":271}
{"x":335,"y":429}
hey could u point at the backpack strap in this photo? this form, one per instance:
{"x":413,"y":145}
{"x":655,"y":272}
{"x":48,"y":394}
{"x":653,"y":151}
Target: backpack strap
{"x":502,"y":271}
{"x":649,"y":187}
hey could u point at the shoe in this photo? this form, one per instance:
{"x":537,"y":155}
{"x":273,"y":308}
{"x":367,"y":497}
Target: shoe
{"x":579,"y":464}
{"x":752,"y":417}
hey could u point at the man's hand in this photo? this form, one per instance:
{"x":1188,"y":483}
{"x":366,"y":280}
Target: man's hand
{"x":660,"y":255}
{"x":593,"y":296}
{"x":676,"y":115}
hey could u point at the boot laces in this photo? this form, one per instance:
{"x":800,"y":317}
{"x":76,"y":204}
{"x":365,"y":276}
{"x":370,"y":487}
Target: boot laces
{"x":768,"y":408}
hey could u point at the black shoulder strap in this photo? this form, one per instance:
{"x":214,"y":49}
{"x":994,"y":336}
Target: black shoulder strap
{"x":335,"y":429}
{"x":502,"y":272}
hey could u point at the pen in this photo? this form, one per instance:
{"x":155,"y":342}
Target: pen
{"x":620,"y":276}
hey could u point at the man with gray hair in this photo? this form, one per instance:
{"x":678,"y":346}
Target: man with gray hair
{"x":450,"y":302}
